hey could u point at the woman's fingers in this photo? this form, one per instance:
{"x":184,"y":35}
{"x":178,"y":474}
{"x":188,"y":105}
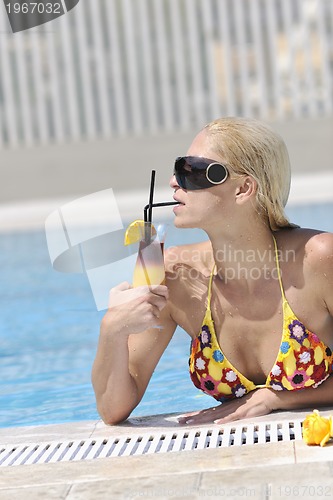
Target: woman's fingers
{"x":134,"y":310}
{"x":254,"y":404}
{"x":157,"y":301}
{"x":156,"y":311}
{"x":124,"y":285}
{"x":125,"y":293}
{"x":183,"y":419}
{"x":200,"y":417}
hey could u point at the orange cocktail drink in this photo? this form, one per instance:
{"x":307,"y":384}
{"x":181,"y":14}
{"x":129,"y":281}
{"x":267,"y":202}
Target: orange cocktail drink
{"x":149,"y":267}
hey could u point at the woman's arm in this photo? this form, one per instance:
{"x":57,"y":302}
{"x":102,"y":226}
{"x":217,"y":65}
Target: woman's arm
{"x":134,"y":334}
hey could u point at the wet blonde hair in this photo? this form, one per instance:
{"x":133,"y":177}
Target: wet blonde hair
{"x":250,"y":147}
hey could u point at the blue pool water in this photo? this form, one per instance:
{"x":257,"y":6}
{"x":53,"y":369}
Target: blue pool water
{"x":49,"y":330}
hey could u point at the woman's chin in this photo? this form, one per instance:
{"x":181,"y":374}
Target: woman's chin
{"x":182,"y":223}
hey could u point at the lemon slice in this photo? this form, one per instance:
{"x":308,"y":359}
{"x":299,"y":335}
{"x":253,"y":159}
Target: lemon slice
{"x":135,"y":232}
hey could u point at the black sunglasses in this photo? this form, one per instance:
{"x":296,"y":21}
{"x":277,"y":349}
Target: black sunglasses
{"x":195,"y":172}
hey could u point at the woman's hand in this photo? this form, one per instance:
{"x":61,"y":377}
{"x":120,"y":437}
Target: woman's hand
{"x":254,"y":404}
{"x":133,"y":310}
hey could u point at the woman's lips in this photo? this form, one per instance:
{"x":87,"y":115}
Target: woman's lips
{"x":178,"y":201}
{"x":178,"y":207}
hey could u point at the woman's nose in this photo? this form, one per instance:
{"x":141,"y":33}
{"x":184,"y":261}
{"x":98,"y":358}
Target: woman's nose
{"x":173,"y":182}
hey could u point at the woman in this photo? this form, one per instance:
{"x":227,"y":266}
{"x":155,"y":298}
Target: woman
{"x":256,"y":298}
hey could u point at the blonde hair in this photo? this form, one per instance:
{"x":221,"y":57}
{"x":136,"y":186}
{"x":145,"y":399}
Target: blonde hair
{"x":250,"y":147}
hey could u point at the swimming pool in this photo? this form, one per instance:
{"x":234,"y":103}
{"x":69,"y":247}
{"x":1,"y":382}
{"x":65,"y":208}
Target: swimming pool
{"x":49,"y":331}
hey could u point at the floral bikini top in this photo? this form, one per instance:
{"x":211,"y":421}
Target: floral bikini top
{"x":302,"y":361}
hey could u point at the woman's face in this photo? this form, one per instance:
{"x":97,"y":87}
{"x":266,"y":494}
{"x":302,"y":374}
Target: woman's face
{"x":204,"y":208}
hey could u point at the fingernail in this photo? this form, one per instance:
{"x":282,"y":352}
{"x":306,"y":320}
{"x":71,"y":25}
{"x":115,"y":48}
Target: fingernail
{"x":189,"y":421}
{"x":216,"y":421}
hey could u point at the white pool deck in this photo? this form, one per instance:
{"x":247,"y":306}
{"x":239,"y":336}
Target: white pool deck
{"x":261,"y":471}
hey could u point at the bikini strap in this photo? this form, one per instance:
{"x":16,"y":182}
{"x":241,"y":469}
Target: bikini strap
{"x":278,"y":268}
{"x":209,"y":293}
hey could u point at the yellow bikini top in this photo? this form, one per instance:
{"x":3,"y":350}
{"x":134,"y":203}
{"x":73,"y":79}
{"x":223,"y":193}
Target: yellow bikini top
{"x":302,"y":361}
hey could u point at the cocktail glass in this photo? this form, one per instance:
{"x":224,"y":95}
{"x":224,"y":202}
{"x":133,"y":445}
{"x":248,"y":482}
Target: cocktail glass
{"x":149,"y":267}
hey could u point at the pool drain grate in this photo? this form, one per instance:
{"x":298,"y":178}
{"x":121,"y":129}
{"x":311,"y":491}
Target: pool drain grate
{"x":148,"y":443}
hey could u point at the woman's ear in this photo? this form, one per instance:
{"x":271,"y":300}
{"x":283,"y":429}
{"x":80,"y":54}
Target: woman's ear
{"x":246,"y":189}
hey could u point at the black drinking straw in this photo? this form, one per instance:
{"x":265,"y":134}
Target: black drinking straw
{"x":148,"y":209}
{"x":162,"y":204}
{"x":151,"y":196}
{"x":148,"y":215}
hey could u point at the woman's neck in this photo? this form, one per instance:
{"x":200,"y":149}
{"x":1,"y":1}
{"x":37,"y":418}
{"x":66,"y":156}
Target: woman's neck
{"x":244,"y":257}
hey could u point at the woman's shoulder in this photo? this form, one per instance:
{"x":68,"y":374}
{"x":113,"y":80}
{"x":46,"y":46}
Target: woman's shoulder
{"x":318,"y":252}
{"x":192,"y":255}
{"x":316,"y":264}
{"x":311,"y":243}
{"x":313,"y":249}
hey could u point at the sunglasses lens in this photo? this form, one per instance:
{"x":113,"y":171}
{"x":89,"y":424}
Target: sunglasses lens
{"x":180,"y":171}
{"x":190,"y":172}
{"x":194,"y":173}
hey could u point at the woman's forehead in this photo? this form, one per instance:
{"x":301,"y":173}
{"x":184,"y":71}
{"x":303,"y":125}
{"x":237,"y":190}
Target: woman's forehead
{"x":201,"y":145}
